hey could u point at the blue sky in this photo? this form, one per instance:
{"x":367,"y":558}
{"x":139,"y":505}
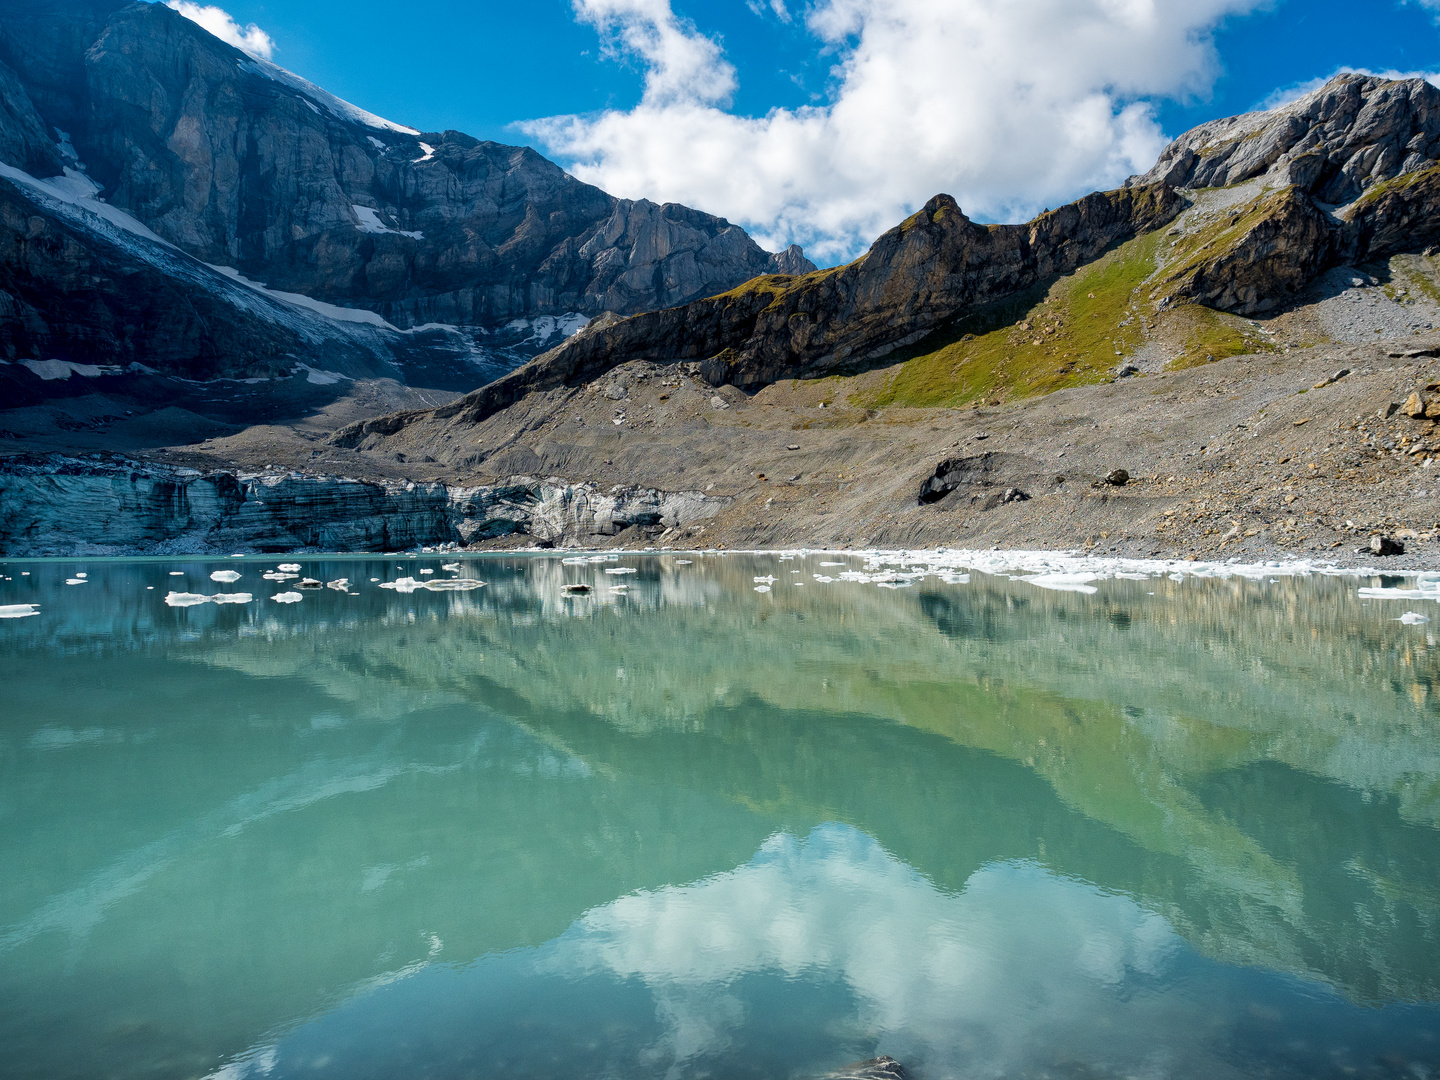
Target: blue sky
{"x":486,"y":67}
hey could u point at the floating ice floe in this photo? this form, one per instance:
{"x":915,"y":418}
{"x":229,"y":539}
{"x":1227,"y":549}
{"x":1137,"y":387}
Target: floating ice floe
{"x":767,"y":580}
{"x":277,"y":575}
{"x":822,"y":579}
{"x":1427,"y":587}
{"x":1076,"y":583}
{"x":621,"y":570}
{"x":581,"y":561}
{"x":225,"y":576}
{"x":410,"y":585}
{"x":1413,"y":618}
{"x":289,"y":567}
{"x":762,"y":588}
{"x":453,"y":568}
{"x":834,"y":564}
{"x":76,"y":581}
{"x":427,"y":570}
{"x":18,"y":611}
{"x":185,"y":599}
{"x":177,"y":573}
{"x":288,"y":597}
{"x":339,"y":585}
{"x":683,"y":562}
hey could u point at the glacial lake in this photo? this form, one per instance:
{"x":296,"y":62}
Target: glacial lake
{"x":1161,"y":825}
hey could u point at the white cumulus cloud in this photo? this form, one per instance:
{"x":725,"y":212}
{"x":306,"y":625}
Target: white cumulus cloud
{"x":1009,"y":105}
{"x":248,"y":39}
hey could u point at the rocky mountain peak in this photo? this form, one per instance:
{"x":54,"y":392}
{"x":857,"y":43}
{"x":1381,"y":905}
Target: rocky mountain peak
{"x":1334,"y":143}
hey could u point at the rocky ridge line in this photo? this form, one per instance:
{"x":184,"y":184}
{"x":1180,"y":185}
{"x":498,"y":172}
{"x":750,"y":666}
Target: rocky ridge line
{"x":933,"y":266}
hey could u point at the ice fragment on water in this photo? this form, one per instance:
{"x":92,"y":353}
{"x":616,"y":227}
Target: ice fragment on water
{"x":762,"y":588}
{"x":410,"y":585}
{"x":1413,"y":618}
{"x":1064,"y":582}
{"x":19,"y":611}
{"x":75,"y":581}
{"x":289,"y":568}
{"x":177,"y":573}
{"x":225,"y":576}
{"x":232,"y":598}
{"x":621,"y":570}
{"x":767,"y":580}
{"x":288,"y":597}
{"x":185,"y":599}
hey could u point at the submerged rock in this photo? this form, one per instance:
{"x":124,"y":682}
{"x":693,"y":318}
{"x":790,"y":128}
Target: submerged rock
{"x":880,"y":1068}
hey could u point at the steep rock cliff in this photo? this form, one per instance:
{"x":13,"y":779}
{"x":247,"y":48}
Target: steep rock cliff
{"x":238,"y":162}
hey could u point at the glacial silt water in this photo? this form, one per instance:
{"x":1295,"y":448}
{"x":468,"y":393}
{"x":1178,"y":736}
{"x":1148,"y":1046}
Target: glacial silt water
{"x":721,"y":816}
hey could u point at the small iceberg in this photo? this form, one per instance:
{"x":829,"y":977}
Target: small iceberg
{"x":18,"y":611}
{"x":185,"y":599}
{"x":289,"y":567}
{"x":410,"y":585}
{"x":1413,"y":618}
{"x":1076,"y":583}
{"x":225,"y":577}
{"x":288,"y":597}
{"x":621,"y":570}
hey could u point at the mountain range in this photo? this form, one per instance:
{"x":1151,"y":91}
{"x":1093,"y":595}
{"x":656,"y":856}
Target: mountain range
{"x":352,"y":334}
{"x":171,"y":201}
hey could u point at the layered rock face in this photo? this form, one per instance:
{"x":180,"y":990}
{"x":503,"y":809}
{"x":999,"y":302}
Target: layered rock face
{"x":240,"y":163}
{"x":925,"y":271}
{"x":1343,"y":175}
{"x":1333,"y":144}
{"x":51,"y":507}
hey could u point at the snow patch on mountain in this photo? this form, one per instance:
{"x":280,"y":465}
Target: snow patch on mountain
{"x":330,"y":311}
{"x":342,"y":109}
{"x":75,"y":189}
{"x":370,"y":222}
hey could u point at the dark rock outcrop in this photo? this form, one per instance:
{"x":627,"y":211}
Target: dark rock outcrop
{"x":240,"y":163}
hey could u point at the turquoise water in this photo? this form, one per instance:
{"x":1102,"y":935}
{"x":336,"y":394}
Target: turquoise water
{"x":688,"y":829}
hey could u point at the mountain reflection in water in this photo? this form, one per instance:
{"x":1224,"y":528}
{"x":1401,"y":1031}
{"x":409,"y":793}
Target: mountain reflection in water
{"x":684,"y":828}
